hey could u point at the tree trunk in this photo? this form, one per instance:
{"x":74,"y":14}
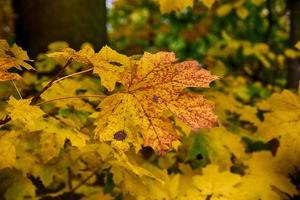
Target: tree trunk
{"x":40,"y":22}
{"x":294,"y":65}
{"x":7,"y":19}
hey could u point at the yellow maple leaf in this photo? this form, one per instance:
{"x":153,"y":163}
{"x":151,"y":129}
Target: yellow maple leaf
{"x":216,"y":184}
{"x":257,"y":2}
{"x":224,"y":10}
{"x":20,"y":188}
{"x":297,"y":45}
{"x":82,"y":56}
{"x":180,"y":186}
{"x":242,"y":12}
{"x":153,"y":88}
{"x":264,"y":179}
{"x":222,"y":145}
{"x":23,"y":111}
{"x":10,"y":57}
{"x":68,"y":88}
{"x":54,"y":133}
{"x":127,"y":173}
{"x":208,"y":3}
{"x":8,"y":150}
{"x":99,"y":195}
{"x":107,"y":63}
{"x":290,"y":53}
{"x":167,"y":6}
{"x":48,"y":146}
{"x":282,"y":122}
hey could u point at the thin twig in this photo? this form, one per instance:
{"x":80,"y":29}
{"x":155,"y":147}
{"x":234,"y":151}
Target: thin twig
{"x":17,"y":89}
{"x":8,"y":118}
{"x":70,"y":175}
{"x":74,"y":74}
{"x":71,"y":97}
{"x":37,"y":96}
{"x":84,"y":181}
{"x":5,"y":120}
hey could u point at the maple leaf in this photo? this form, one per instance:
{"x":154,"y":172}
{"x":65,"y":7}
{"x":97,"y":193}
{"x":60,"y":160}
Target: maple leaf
{"x":152,"y":181}
{"x":264,"y":179}
{"x":297,"y":45}
{"x":54,"y":133}
{"x":208,"y":3}
{"x":257,"y":2}
{"x":282,"y":121}
{"x":23,"y":111}
{"x":216,"y":185}
{"x":154,"y":88}
{"x":8,"y":150}
{"x":222,"y":145}
{"x":98,"y":195}
{"x":20,"y":189}
{"x":82,"y":56}
{"x":167,"y":6}
{"x":10,"y":57}
{"x":180,"y":186}
{"x":107,"y":63}
{"x":65,"y":88}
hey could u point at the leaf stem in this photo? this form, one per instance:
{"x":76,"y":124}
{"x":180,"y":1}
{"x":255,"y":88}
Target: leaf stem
{"x":84,"y":181}
{"x":71,"y":97}
{"x":74,"y":74}
{"x":37,"y":96}
{"x":13,"y":82}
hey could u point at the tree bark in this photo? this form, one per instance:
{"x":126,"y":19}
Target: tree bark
{"x":294,"y":64}
{"x":40,"y":22}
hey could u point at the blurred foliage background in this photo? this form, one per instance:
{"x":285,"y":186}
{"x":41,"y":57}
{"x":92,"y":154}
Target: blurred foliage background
{"x":7,"y":18}
{"x":248,"y":43}
{"x":247,"y":38}
{"x":250,"y":38}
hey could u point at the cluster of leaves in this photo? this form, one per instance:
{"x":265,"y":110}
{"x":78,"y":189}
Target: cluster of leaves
{"x":82,"y":138}
{"x":167,"y":6}
{"x":143,"y":131}
{"x":226,"y":34}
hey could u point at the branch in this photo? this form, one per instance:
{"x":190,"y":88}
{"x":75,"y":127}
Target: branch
{"x":74,"y":74}
{"x":37,"y":96}
{"x":72,"y":97}
{"x":84,"y":181}
{"x":70,"y":175}
{"x":5,"y":120}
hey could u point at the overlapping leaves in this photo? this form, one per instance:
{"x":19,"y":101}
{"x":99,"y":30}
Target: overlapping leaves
{"x":167,"y":6}
{"x":153,"y":92}
{"x":11,"y":57}
{"x":142,"y":112}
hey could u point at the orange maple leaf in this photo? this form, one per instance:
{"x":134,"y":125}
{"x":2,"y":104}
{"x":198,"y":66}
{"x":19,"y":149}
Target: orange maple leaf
{"x":10,"y":57}
{"x":154,"y":89}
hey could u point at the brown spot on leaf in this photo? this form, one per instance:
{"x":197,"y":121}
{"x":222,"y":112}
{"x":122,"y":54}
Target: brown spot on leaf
{"x":115,"y":63}
{"x":120,"y":135}
{"x":155,"y":98}
{"x":10,"y":53}
{"x":275,"y":145}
